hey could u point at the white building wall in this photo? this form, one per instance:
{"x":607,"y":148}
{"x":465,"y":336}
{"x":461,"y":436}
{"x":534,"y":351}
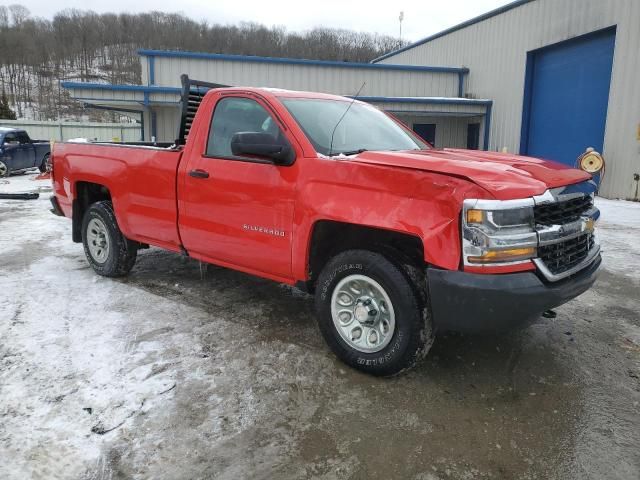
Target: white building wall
{"x":451,"y":120}
{"x":318,"y":78}
{"x":108,"y":96}
{"x":451,"y":132}
{"x":167,"y":123}
{"x":495,"y":52}
{"x":434,"y":109}
{"x":61,"y":131}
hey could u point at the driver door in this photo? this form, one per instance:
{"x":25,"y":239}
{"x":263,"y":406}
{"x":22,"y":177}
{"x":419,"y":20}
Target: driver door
{"x":15,"y":156}
{"x":235,"y":210}
{"x":28,"y":151}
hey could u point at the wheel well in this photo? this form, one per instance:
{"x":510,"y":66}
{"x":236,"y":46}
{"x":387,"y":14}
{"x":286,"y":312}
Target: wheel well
{"x":86,"y":194}
{"x":329,"y":238}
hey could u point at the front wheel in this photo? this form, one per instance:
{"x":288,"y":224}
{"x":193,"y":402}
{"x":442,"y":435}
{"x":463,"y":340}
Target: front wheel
{"x":108,"y":251}
{"x":372,"y":313}
{"x":4,"y":169}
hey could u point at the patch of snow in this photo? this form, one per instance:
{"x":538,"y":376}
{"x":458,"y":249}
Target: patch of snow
{"x":619,"y":231}
{"x":86,"y":360}
{"x":340,"y":156}
{"x":24,"y":183}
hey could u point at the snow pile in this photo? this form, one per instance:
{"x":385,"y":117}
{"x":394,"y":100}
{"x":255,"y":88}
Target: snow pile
{"x":24,"y":184}
{"x":619,"y":232}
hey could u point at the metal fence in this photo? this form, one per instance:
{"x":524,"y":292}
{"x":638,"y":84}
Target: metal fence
{"x":60,"y":131}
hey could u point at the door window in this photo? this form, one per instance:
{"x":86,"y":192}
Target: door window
{"x":23,"y":138}
{"x":234,"y":115}
{"x":11,"y":139}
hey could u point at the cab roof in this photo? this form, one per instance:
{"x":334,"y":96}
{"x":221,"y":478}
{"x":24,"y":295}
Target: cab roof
{"x":282,"y":93}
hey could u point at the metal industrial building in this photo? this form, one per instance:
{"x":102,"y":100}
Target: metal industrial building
{"x":562,"y":74}
{"x":546,"y":78}
{"x":422,"y":96}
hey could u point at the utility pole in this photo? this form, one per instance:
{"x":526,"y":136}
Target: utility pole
{"x":401,"y":17}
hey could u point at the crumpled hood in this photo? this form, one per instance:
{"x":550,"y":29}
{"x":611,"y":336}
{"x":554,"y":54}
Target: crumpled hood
{"x":505,"y":176}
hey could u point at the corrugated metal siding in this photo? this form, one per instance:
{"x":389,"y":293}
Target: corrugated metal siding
{"x":173,"y":98}
{"x":450,"y":131}
{"x":167,"y":123}
{"x":495,"y":51}
{"x":60,"y":131}
{"x":337,"y":80}
{"x":459,"y":110}
{"x":107,"y":95}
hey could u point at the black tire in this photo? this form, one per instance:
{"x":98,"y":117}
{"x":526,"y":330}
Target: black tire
{"x":413,"y":334}
{"x":122,"y":252}
{"x":4,"y":169}
{"x":43,"y":167}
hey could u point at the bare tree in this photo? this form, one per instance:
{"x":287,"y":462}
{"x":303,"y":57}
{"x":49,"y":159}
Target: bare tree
{"x":36,"y":54}
{"x":19,"y":13}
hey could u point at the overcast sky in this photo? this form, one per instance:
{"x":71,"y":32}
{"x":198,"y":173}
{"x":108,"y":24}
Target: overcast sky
{"x":421,"y":17}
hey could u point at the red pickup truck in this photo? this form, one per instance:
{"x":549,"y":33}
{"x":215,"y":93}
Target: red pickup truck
{"x":396,"y":239}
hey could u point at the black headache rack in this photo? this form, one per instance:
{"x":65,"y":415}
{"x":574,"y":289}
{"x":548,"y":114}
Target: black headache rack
{"x":193,"y":91}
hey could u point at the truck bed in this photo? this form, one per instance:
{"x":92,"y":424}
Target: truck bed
{"x":140,"y":179}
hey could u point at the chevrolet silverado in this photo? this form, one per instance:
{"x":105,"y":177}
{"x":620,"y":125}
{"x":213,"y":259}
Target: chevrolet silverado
{"x":398,"y":240}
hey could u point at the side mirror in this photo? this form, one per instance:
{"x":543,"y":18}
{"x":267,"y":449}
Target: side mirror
{"x":262,"y":144}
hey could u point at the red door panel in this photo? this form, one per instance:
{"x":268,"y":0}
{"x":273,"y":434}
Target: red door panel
{"x":241,"y":213}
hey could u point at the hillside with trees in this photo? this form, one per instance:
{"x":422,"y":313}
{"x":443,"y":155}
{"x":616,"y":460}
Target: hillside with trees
{"x":36,"y":53}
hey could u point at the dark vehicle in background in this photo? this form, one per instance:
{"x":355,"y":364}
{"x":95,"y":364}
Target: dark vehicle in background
{"x":18,"y":152}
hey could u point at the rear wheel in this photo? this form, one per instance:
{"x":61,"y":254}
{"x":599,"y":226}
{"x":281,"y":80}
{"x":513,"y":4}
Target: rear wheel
{"x":373,"y":314}
{"x":45,"y":166}
{"x":108,"y":251}
{"x":4,"y":169}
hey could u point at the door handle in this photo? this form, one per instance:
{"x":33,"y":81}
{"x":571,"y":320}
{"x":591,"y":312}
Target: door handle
{"x":199,"y":173}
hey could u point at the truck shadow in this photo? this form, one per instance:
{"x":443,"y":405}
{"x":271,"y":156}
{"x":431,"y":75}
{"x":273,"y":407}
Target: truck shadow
{"x":277,"y":310}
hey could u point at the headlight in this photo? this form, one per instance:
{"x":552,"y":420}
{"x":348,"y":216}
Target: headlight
{"x":497,"y":219}
{"x":498,"y":232}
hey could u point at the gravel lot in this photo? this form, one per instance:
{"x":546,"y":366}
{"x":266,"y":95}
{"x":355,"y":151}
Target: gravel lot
{"x":188,"y":371}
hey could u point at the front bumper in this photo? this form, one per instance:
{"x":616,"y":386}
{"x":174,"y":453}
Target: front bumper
{"x":474,"y":303}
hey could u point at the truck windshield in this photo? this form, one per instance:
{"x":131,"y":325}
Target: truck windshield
{"x":364,"y":127}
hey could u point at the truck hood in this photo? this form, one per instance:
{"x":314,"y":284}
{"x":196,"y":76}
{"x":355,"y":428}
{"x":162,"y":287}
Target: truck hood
{"x":503,"y":175}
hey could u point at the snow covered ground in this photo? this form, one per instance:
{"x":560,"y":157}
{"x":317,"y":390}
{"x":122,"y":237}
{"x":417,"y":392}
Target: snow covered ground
{"x":182,"y":371}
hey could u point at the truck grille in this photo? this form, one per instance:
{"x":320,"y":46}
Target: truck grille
{"x":559,"y":213}
{"x":562,"y":256}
